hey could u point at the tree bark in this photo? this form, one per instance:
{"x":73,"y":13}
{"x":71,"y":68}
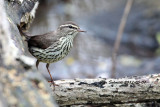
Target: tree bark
{"x":20,"y":86}
{"x":103,"y":91}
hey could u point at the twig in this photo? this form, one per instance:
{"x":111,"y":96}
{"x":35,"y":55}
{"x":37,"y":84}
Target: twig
{"x":119,"y":36}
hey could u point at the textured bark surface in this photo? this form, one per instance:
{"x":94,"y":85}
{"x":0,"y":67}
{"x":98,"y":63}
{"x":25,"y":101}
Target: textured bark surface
{"x":108,"y":91}
{"x":20,"y":86}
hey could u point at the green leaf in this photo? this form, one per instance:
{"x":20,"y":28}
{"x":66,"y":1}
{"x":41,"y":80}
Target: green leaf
{"x":158,"y":37}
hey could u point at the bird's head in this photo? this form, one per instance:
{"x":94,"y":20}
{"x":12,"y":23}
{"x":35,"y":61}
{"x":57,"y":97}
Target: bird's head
{"x":69,"y":28}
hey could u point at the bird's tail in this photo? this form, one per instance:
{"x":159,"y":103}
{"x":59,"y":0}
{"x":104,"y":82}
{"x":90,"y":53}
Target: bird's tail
{"x":23,"y":33}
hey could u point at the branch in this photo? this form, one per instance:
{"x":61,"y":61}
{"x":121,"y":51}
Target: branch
{"x":108,"y":91}
{"x":119,"y":36}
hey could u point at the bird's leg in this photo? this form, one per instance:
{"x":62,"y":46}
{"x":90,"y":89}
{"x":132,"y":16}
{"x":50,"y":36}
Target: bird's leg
{"x":47,"y":66}
{"x":37,"y":63}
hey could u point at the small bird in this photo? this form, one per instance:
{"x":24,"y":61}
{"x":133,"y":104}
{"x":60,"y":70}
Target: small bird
{"x":53,"y":46}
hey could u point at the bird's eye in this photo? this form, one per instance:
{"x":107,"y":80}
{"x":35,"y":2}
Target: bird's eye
{"x":70,"y":27}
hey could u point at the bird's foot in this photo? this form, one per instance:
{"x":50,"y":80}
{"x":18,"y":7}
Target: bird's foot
{"x":53,"y":83}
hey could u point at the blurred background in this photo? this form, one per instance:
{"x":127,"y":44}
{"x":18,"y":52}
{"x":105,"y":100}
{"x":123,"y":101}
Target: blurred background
{"x":91,"y":55}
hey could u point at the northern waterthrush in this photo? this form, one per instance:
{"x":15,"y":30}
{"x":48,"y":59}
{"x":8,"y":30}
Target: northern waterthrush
{"x":53,"y":46}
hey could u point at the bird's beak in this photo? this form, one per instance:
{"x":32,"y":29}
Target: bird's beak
{"x":79,"y":30}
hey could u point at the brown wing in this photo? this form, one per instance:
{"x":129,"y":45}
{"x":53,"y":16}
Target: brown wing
{"x":42,"y":41}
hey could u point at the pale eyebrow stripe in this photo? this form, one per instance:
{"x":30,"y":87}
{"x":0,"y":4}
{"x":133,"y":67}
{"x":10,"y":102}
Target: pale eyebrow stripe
{"x":69,"y":25}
